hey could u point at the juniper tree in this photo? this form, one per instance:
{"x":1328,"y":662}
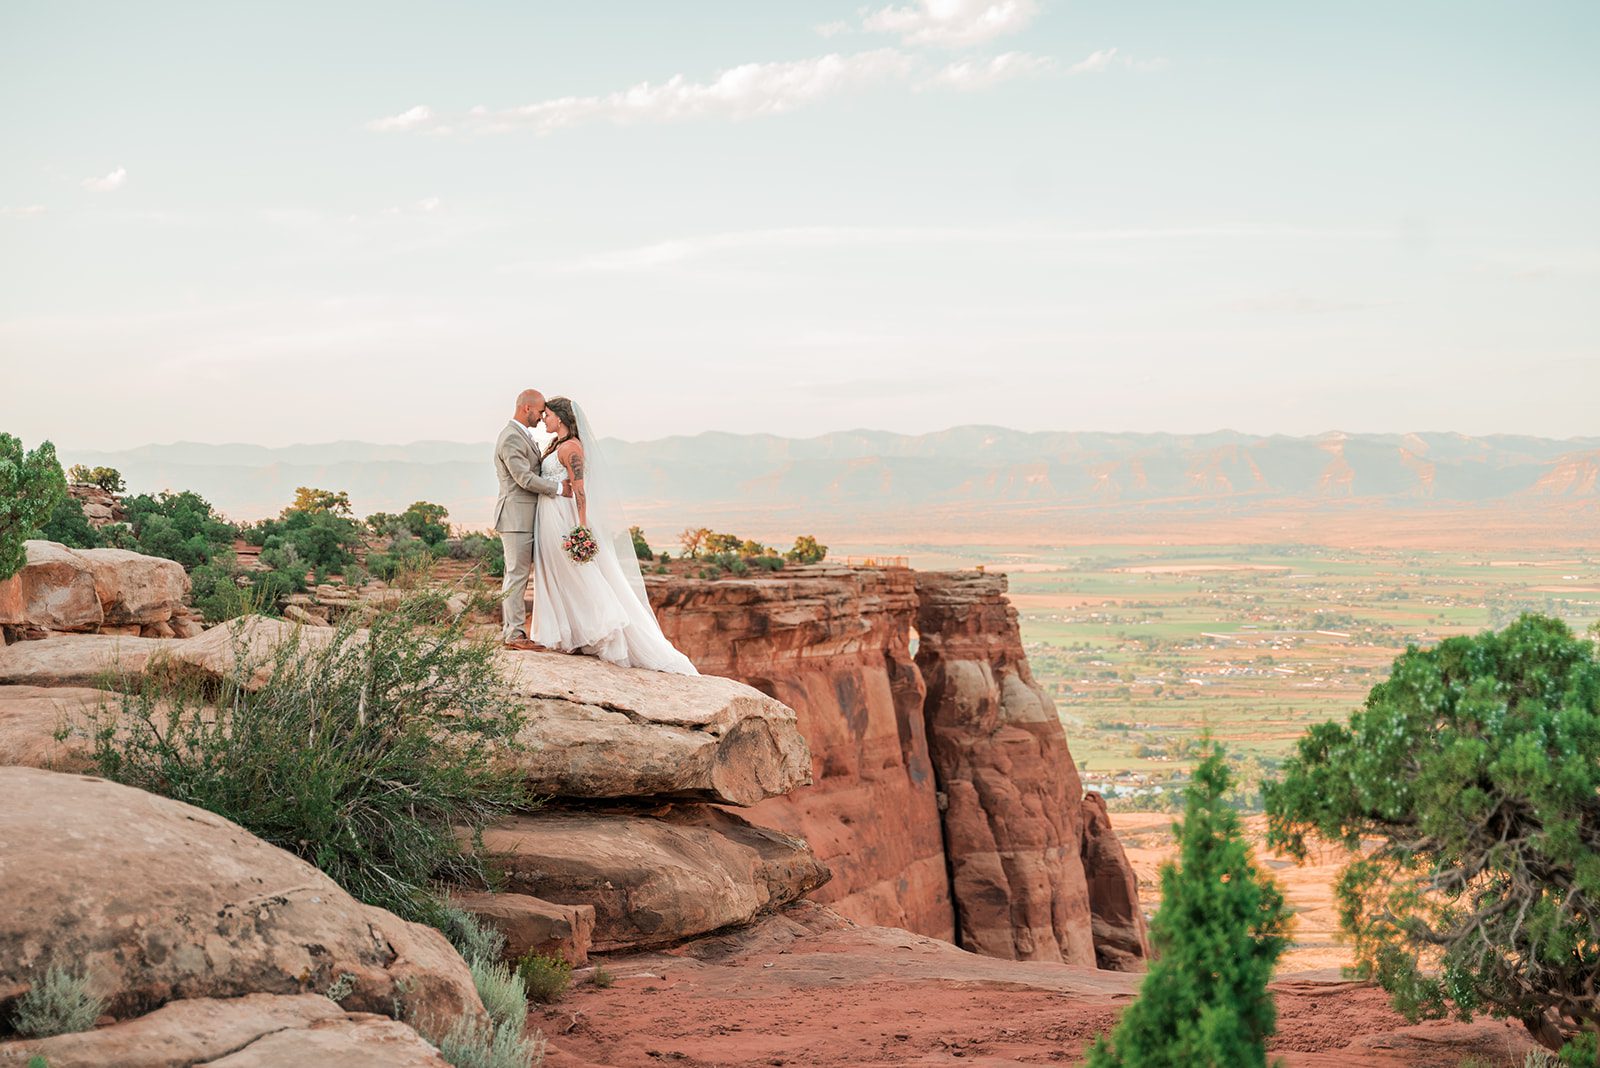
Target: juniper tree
{"x":31,"y":485}
{"x":1476,"y":766}
{"x":1217,"y":935}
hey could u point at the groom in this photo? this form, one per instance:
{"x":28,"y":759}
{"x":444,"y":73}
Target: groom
{"x":516,"y":465}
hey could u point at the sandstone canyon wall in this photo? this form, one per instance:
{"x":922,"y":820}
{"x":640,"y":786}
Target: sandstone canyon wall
{"x":944,"y":797}
{"x":834,"y":645}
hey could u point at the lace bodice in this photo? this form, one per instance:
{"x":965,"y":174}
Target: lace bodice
{"x":553,"y":468}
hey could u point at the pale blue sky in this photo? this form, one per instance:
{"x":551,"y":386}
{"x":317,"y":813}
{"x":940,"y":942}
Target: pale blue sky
{"x":286,"y":222}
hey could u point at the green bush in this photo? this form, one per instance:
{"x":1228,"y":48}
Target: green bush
{"x":807,"y":551}
{"x":546,"y":978}
{"x":178,"y":526}
{"x":641,"y":548}
{"x":768,"y":563}
{"x":58,"y":1004}
{"x":107,"y":478}
{"x":322,"y":539}
{"x":215,"y":592}
{"x":473,"y":939}
{"x":481,"y":1044}
{"x":501,"y":991}
{"x":1217,"y":935}
{"x":31,"y":484}
{"x":602,"y":978}
{"x":1476,"y":766}
{"x":362,"y":757}
{"x":69,"y":526}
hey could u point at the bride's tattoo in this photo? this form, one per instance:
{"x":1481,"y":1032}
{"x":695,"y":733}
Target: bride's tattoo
{"x":577,"y":467}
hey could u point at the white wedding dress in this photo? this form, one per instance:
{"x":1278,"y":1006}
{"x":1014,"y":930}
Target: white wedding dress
{"x":592,"y":608}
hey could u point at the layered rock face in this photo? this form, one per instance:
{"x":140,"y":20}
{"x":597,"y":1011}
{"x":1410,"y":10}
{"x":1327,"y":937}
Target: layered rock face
{"x":834,"y":645}
{"x":1012,"y":821}
{"x":945,"y":799}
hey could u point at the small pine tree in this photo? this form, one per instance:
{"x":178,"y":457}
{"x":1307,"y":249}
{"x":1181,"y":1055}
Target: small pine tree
{"x":1217,"y":935}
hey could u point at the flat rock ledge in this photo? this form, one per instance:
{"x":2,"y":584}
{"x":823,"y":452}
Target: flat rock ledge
{"x":253,"y":1031}
{"x":654,"y":879}
{"x":595,"y":731}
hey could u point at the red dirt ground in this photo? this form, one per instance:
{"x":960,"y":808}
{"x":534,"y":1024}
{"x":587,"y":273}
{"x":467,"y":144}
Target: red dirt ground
{"x":817,"y":995}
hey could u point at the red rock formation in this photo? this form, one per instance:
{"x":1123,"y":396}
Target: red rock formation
{"x":833,"y":644}
{"x":1012,"y":820}
{"x":1001,"y":870}
{"x":1121,"y":940}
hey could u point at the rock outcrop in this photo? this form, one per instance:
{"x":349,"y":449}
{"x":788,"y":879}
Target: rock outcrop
{"x":1121,"y":937}
{"x":1012,"y":820}
{"x":158,"y":901}
{"x":657,"y":878}
{"x":833,"y":643}
{"x":95,"y":590}
{"x":944,"y":796}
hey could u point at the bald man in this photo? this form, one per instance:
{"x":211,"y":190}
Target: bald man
{"x":516,"y":465}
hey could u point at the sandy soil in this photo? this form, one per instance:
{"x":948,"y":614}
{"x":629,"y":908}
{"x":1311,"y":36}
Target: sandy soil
{"x":875,"y":997}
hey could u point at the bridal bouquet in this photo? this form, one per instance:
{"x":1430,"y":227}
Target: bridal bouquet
{"x":580,"y":545}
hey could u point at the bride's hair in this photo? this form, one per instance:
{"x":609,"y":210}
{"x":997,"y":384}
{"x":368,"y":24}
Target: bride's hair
{"x":562,"y":406}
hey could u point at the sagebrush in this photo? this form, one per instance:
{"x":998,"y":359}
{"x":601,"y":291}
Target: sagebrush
{"x":363,"y":752}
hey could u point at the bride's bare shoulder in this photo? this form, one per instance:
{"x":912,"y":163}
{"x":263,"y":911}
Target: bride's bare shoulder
{"x":570,"y":450}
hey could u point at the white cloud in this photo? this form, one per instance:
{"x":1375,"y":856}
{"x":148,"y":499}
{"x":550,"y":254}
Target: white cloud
{"x":428,"y":204}
{"x":109,"y":183}
{"x":22,"y":211}
{"x":833,"y":29}
{"x":952,"y":23}
{"x":1106,"y":58}
{"x":745,"y":91}
{"x":980,"y":73}
{"x":409,"y":119}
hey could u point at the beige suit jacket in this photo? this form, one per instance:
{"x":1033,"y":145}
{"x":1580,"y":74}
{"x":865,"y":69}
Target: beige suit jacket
{"x":516,"y":465}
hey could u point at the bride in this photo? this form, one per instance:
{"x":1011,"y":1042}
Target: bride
{"x":598,"y":607}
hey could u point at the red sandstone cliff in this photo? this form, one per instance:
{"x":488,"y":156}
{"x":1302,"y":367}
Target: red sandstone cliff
{"x":834,"y":645}
{"x":1001,"y":870}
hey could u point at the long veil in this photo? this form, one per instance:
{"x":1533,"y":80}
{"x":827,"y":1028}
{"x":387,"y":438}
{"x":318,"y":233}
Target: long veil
{"x":607,"y":520}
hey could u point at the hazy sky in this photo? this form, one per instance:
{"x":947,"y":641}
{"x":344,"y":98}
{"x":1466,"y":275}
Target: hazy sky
{"x":299,"y":222}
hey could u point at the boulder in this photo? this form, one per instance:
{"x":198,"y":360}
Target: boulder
{"x":55,"y":590}
{"x":76,"y":659}
{"x":218,"y":651}
{"x":135,"y":588}
{"x":1121,"y":938}
{"x":62,"y":589}
{"x":287,"y":1030}
{"x":534,"y":926}
{"x":596,"y":730}
{"x":157,"y":901}
{"x":653,"y":879}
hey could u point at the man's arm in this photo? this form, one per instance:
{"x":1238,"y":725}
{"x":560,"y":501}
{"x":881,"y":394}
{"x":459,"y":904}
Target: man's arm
{"x":518,"y":458}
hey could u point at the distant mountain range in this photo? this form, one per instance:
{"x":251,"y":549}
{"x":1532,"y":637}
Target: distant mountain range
{"x":869,"y":472}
